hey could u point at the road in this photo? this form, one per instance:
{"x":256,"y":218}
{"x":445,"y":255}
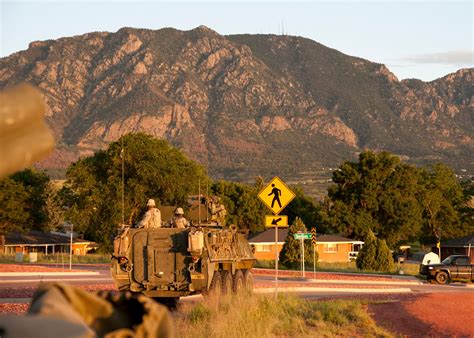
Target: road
{"x":308,"y":289}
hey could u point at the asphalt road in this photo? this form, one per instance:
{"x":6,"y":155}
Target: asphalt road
{"x":298,"y":285}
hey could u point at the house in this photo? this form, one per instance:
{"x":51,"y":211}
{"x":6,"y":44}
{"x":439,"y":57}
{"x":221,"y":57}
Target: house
{"x":331,"y":248}
{"x":47,"y":243}
{"x":264,"y":243}
{"x":457,"y":246}
{"x":335,"y":248}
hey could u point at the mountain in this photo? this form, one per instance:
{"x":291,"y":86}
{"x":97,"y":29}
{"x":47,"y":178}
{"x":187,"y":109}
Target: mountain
{"x":242,"y":105}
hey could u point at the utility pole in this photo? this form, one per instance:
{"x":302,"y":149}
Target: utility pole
{"x":313,"y":241}
{"x":70,"y":248}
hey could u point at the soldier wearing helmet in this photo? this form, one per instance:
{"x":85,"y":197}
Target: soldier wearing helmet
{"x":152,"y":218}
{"x":178,"y":221}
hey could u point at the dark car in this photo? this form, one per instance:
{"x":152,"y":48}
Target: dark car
{"x":453,"y":268}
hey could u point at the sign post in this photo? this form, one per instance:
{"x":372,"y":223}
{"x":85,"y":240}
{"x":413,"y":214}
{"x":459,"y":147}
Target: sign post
{"x":302,"y":255}
{"x":302,"y":236}
{"x":276,"y":196}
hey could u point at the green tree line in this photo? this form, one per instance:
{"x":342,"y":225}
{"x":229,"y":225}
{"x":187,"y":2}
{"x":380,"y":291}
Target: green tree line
{"x":377,"y":194}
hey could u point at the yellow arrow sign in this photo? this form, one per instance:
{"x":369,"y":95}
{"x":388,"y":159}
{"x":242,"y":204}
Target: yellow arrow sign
{"x":276,"y":195}
{"x":276,"y":221}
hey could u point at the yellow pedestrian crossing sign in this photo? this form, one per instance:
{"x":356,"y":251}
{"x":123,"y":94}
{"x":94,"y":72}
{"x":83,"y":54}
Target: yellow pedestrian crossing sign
{"x":276,"y":221}
{"x":276,"y":195}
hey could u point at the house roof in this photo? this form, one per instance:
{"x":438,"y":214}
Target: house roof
{"x":39,"y":238}
{"x":335,"y":239}
{"x":462,"y":242}
{"x":268,"y":236}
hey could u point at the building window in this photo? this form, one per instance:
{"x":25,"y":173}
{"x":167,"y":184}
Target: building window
{"x":332,"y":247}
{"x":263,"y":248}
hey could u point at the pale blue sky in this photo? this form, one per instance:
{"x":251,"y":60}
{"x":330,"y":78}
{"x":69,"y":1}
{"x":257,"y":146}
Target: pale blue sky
{"x":422,"y":39}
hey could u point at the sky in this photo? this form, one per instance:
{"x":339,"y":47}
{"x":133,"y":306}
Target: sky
{"x":415,"y":39}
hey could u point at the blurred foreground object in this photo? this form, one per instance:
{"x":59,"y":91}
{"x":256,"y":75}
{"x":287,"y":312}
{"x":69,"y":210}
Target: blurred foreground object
{"x":24,"y":136}
{"x":59,"y":310}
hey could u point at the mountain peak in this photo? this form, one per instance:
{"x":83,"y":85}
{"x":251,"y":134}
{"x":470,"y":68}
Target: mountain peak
{"x":242,"y":105}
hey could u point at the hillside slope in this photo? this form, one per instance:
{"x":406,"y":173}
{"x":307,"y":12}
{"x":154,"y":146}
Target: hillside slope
{"x":241,"y":105}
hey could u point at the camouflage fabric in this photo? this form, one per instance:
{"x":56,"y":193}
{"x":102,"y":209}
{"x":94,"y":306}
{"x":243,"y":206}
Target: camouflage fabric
{"x":178,"y":222}
{"x":24,"y":136}
{"x":218,"y":211}
{"x":151,"y":219}
{"x":59,"y":310}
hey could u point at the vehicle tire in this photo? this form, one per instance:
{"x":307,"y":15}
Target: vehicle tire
{"x":226,"y":282}
{"x":216,"y":285}
{"x":238,"y":284}
{"x":442,"y":277}
{"x":248,"y":280}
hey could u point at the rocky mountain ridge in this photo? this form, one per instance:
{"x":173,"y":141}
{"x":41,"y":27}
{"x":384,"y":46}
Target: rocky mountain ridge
{"x":241,"y":105}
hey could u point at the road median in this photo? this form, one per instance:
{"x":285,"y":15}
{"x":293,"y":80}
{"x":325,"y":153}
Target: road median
{"x":49,"y":273}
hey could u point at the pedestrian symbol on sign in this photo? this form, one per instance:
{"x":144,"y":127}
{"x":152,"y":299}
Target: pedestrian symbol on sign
{"x":276,"y":195}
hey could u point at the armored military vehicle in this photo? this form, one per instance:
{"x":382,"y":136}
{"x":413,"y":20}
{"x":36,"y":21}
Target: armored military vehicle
{"x":168,"y":263}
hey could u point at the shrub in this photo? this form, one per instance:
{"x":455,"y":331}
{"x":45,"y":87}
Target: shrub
{"x":290,"y":255}
{"x":384,"y":261}
{"x":375,"y":255}
{"x":366,"y":257}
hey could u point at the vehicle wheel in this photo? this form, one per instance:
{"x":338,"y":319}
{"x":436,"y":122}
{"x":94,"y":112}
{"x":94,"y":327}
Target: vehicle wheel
{"x":441,"y":277}
{"x":216,"y":285}
{"x":238,"y":283}
{"x":226,"y":282}
{"x":248,"y":280}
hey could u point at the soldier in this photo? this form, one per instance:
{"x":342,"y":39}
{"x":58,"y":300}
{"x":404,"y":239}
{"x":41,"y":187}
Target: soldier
{"x":218,"y":211}
{"x":152,"y":218}
{"x":178,"y":221}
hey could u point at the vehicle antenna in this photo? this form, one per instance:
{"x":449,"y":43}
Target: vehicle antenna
{"x":199,"y":201}
{"x":122,"y":156}
{"x":207,"y":206}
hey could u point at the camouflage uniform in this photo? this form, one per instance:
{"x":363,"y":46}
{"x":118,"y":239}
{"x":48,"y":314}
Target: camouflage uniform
{"x":178,"y":221}
{"x":152,"y":218}
{"x":218,"y":211}
{"x":60,"y":310}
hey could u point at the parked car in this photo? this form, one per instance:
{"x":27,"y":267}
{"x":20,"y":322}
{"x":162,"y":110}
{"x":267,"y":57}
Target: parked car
{"x":453,"y":268}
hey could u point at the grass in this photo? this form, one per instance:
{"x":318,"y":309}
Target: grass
{"x":251,"y":315}
{"x":60,"y":259}
{"x":406,"y":268}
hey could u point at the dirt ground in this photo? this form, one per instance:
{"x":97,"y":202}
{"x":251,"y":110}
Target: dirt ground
{"x":430,"y":314}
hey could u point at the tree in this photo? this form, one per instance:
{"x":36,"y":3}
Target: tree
{"x":242,"y":204}
{"x":13,"y":200}
{"x":36,"y":185}
{"x":442,"y":202}
{"x":304,"y":207}
{"x":366,"y":259}
{"x":152,"y":169}
{"x":290,"y":254}
{"x":374,"y":255}
{"x":22,"y":201}
{"x":467,"y":207}
{"x":379,"y":194}
{"x":54,"y":209}
{"x":384,"y":259}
